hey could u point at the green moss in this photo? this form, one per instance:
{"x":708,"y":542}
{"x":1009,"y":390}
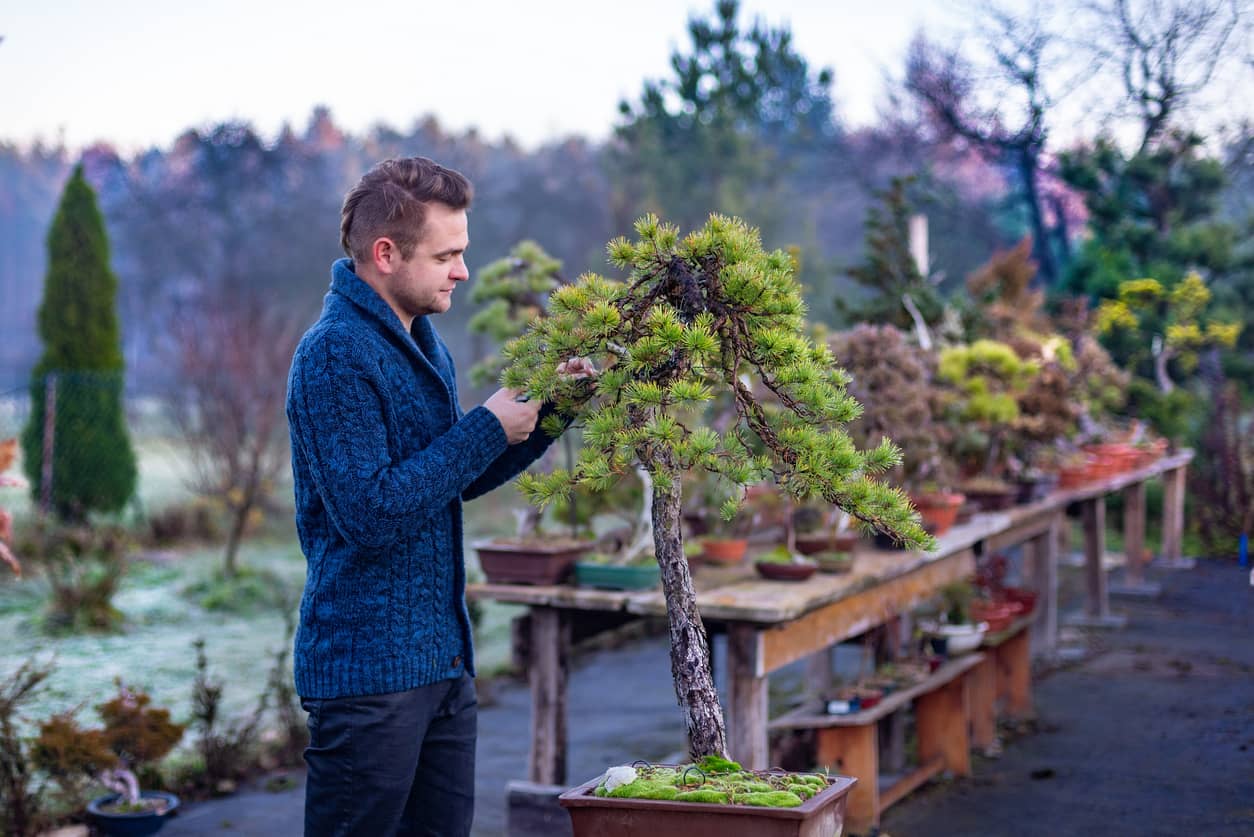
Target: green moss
{"x":702,"y":795}
{"x":645,"y":789}
{"x":773,"y":799}
{"x":714,"y":765}
{"x":751,"y":787}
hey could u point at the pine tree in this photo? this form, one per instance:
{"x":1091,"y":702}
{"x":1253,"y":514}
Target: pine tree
{"x":890,"y":272}
{"x":701,"y":317}
{"x":93,"y":467}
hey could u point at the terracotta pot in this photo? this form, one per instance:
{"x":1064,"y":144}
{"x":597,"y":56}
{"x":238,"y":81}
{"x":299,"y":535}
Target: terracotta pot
{"x":1073,"y":476}
{"x":724,"y":552}
{"x":1020,"y":595}
{"x":592,"y":816}
{"x":504,"y":562}
{"x":998,"y":615}
{"x":939,"y":510}
{"x":784,"y":572}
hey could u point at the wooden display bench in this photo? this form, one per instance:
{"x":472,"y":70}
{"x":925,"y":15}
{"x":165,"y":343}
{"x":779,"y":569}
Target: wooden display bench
{"x":1001,"y":685}
{"x":849,"y":744}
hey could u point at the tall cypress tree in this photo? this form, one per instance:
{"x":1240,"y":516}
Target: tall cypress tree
{"x":93,"y":464}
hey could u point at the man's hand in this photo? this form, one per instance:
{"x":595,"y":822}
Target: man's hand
{"x":518,"y":418}
{"x":577,"y":368}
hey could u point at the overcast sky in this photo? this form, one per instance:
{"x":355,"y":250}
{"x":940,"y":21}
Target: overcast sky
{"x":138,"y":72}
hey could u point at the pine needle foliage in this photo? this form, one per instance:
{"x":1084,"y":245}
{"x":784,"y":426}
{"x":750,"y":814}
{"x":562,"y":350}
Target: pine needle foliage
{"x":707,"y":313}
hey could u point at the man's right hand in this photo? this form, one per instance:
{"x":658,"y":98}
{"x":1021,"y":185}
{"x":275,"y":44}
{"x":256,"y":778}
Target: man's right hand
{"x":518,"y":418}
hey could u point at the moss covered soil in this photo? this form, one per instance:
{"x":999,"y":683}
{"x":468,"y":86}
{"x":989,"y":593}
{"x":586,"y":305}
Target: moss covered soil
{"x":718,"y":781}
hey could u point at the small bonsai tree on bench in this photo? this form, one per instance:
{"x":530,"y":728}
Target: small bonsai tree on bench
{"x":709,"y":312}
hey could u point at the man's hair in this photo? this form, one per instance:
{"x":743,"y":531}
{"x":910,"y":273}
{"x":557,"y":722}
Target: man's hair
{"x":390,"y":202}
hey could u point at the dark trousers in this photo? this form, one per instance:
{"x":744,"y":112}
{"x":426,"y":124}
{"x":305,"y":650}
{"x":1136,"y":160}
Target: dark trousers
{"x":400,"y":764}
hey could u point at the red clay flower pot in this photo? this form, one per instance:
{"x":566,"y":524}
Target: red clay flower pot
{"x":724,"y":552}
{"x":938,"y":509}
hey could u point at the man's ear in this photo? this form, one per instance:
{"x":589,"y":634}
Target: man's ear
{"x":385,"y":254}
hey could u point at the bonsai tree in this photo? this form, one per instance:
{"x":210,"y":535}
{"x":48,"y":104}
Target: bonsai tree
{"x":513,"y":291}
{"x":710,"y":311}
{"x":1164,"y":331}
{"x":986,"y":378}
{"x":135,"y":735}
{"x":891,"y":378}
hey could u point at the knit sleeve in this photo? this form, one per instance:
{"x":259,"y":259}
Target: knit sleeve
{"x":338,"y":414}
{"x":514,"y":460}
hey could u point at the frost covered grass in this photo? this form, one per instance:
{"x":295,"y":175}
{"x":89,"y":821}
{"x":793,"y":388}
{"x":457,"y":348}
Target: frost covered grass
{"x":162,"y":600}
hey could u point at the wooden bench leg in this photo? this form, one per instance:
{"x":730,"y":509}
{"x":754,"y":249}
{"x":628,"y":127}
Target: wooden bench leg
{"x":1014,"y":675}
{"x":982,"y":697}
{"x":854,"y":751}
{"x":549,"y":654}
{"x":747,"y":694}
{"x":941,"y":721}
{"x":1097,"y":605}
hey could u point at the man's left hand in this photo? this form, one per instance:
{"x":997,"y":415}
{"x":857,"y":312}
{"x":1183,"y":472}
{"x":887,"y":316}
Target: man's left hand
{"x":577,"y":368}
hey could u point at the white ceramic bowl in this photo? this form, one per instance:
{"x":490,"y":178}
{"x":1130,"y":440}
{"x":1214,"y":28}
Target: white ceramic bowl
{"x":962,"y":639}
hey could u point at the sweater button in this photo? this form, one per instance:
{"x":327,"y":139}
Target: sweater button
{"x":457,"y":661}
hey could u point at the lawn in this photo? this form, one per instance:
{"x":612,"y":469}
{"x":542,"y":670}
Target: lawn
{"x":164,"y":614}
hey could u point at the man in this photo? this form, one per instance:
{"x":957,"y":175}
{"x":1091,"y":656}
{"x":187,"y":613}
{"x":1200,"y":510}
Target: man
{"x":382,"y":458}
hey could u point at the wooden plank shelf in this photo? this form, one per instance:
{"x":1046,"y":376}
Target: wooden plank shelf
{"x":806,"y":717}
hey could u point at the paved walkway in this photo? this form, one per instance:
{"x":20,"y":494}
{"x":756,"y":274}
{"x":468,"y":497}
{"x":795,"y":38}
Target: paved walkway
{"x":1152,"y":734}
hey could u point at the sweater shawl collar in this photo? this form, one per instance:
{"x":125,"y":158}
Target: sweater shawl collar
{"x":421,"y":344}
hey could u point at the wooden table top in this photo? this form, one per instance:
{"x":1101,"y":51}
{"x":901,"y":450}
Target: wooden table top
{"x":738,"y":594}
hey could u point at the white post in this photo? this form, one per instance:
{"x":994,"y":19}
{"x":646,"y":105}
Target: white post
{"x":918,"y":242}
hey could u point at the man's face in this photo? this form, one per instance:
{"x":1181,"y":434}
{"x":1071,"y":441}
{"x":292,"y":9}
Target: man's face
{"x":423,"y":284}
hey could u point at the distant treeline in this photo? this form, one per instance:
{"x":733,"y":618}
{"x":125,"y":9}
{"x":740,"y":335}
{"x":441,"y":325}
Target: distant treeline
{"x":224,"y":212}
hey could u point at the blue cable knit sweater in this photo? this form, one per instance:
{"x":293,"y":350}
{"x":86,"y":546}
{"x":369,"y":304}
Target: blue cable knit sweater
{"x":382,"y":458}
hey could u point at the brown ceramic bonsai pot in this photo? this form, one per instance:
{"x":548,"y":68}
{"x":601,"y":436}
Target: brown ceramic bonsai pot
{"x":822,"y":815}
{"x":810,"y":543}
{"x":724,"y":552}
{"x":938,"y":509}
{"x":530,"y":562}
{"x":776,"y":571}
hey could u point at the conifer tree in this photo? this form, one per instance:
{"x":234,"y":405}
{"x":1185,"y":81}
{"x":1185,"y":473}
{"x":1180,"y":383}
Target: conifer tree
{"x":93,"y":467}
{"x":890,"y":273}
{"x":707,"y":314}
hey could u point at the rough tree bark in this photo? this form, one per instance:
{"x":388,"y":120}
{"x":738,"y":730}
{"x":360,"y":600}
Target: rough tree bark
{"x":690,"y":654}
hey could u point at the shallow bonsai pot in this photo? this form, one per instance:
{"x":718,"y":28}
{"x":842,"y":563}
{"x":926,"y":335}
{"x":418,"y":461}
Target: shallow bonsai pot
{"x":822,"y":815}
{"x":130,"y":825}
{"x":1031,"y":490}
{"x":726,"y":552}
{"x":992,"y":499}
{"x":784,"y":572}
{"x":616,"y":577}
{"x":831,"y":564}
{"x":506,"y":562}
{"x":810,"y":543}
{"x":939,"y":510}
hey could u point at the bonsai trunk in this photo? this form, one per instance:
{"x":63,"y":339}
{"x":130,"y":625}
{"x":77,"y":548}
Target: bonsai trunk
{"x":690,"y":654}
